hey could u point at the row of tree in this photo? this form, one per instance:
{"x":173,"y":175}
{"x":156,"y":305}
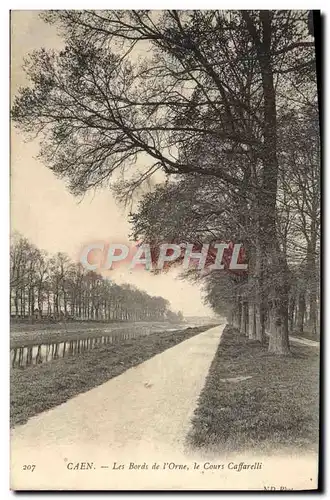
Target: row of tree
{"x":225,"y":104}
{"x":54,"y":287}
{"x":198,"y":210}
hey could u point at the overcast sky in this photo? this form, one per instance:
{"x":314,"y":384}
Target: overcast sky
{"x":45,"y":212}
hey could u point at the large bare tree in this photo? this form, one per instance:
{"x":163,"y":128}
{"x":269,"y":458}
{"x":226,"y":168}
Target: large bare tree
{"x":154,"y":86}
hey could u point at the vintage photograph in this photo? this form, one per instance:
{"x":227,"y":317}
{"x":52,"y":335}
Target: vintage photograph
{"x":165,"y":250}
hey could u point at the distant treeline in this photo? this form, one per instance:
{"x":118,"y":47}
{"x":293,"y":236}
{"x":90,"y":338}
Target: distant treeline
{"x":54,"y":287}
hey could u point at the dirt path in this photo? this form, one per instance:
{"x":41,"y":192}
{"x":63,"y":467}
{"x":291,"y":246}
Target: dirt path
{"x":309,"y":342}
{"x":144,"y":412}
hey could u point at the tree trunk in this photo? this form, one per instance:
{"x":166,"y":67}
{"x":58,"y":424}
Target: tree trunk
{"x":244,"y":318}
{"x":279,"y":337}
{"x":301,"y":311}
{"x":239,"y":313}
{"x":252,"y":322}
{"x":312,"y":274}
{"x":16,"y":304}
{"x":291,"y":311}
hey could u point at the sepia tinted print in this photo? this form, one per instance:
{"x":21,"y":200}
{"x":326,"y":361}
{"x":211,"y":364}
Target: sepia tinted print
{"x":165,"y":250}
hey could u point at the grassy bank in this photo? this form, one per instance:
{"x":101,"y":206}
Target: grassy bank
{"x":276,"y":408}
{"x":37,"y":388}
{"x":30,"y":334}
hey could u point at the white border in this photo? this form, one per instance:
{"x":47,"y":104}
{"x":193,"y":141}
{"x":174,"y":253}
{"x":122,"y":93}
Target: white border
{"x":4,"y":181}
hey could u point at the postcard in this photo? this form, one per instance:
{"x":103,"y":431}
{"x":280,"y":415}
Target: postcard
{"x":165,"y":250}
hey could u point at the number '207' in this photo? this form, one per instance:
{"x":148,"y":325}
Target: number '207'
{"x":29,"y":467}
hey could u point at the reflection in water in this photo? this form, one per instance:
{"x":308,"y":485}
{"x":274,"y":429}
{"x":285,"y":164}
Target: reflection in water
{"x":42,"y":353}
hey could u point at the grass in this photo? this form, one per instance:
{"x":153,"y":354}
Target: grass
{"x":38,"y":388}
{"x":276,"y":409}
{"x":24,"y":334}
